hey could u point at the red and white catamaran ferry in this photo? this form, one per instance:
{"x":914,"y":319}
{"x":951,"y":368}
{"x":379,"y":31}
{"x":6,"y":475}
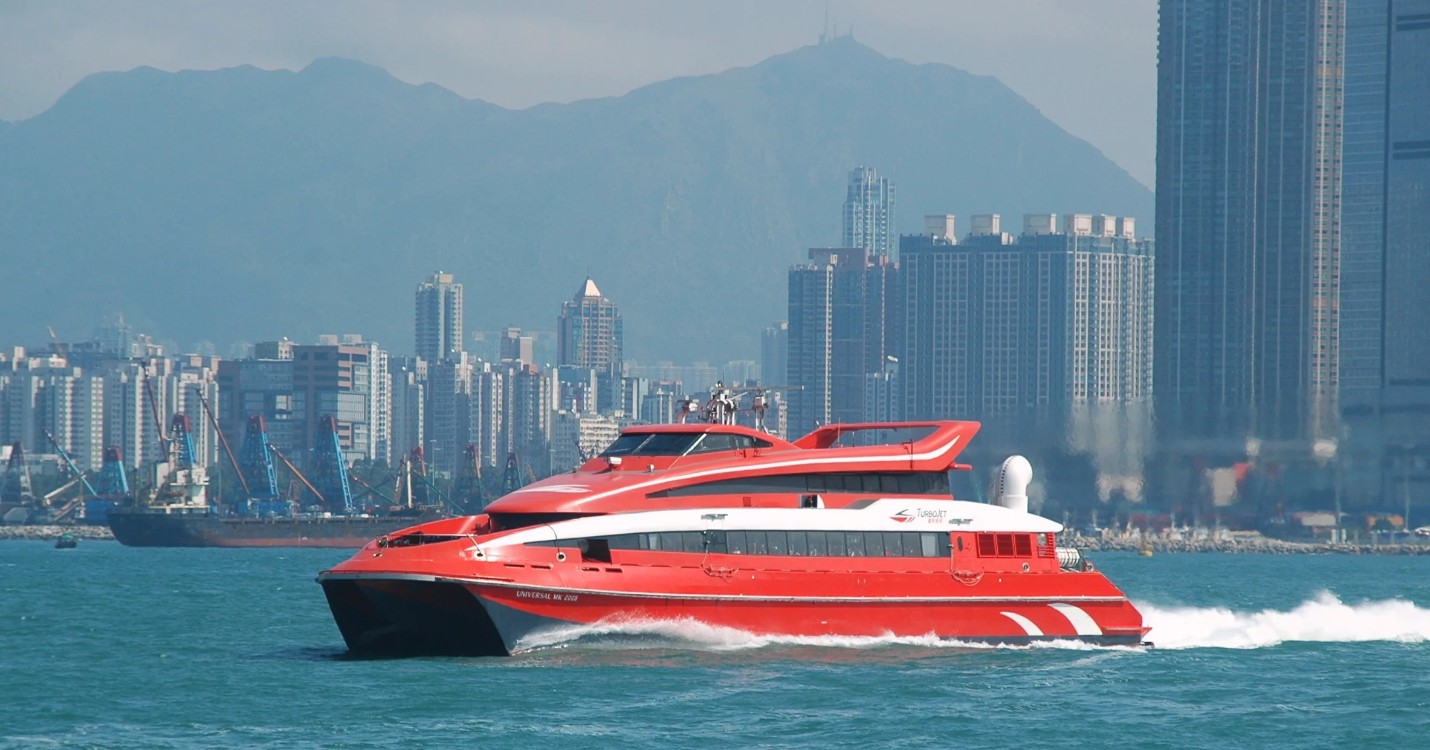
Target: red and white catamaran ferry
{"x":732,"y":527}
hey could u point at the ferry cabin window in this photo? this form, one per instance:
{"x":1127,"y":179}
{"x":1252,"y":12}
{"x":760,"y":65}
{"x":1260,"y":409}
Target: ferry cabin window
{"x":798,"y":543}
{"x":873,"y":483}
{"x":777,"y":543}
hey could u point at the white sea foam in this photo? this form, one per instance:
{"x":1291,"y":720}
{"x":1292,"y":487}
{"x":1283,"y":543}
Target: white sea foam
{"x":692,"y":634}
{"x":1324,"y":618}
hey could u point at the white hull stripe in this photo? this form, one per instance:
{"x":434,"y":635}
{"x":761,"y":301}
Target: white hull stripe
{"x":1082,"y":622}
{"x":1024,"y":623}
{"x":1052,"y":600}
{"x":906,"y":458}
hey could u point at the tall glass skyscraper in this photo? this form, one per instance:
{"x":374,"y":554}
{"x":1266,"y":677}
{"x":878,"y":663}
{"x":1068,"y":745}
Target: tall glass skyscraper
{"x":869,"y":212}
{"x":1385,"y":281}
{"x":1249,"y":162}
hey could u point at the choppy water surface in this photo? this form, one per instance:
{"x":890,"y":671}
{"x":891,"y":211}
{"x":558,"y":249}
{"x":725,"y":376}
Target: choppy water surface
{"x":107,"y":646}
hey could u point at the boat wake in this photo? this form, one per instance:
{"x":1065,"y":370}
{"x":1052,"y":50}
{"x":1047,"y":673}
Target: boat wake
{"x":1323,"y":619}
{"x":689,"y":634}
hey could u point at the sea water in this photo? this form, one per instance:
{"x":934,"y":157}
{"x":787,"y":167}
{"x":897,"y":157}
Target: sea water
{"x":108,"y":646}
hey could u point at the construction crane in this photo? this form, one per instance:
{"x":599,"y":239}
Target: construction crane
{"x":59,"y":348}
{"x":412,"y":486}
{"x":298,"y":475}
{"x":17,"y":489}
{"x":511,"y":478}
{"x":256,"y":467}
{"x":330,"y":471}
{"x":232,"y":460}
{"x":112,"y":486}
{"x":467,"y":491}
{"x":100,"y":514}
{"x":154,"y":412}
{"x":65,"y":510}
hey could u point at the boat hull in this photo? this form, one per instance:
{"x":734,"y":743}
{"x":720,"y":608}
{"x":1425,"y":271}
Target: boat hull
{"x":151,"y":529}
{"x":405,"y":615}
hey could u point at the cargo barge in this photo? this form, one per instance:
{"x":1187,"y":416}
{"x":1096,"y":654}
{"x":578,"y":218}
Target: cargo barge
{"x":146,"y":527}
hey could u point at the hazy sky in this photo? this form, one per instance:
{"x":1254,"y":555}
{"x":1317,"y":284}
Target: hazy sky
{"x":1089,"y":65}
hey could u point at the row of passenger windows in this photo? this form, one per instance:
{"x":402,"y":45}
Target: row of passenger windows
{"x":888,"y":483}
{"x":792,"y":543}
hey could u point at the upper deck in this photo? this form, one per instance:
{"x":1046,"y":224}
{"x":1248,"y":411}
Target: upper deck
{"x":710,"y":465}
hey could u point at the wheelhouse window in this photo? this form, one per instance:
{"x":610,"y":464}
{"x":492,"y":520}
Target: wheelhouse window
{"x":652,"y":444}
{"x":714,"y":442}
{"x":680,"y":443}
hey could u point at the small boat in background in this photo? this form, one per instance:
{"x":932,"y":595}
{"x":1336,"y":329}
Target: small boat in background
{"x":66,"y":541}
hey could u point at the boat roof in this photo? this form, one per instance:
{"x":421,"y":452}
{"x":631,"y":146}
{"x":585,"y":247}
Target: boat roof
{"x":603,"y":486}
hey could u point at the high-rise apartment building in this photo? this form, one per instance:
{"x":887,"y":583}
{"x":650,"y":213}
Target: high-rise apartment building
{"x":842,"y":326}
{"x":589,"y":337}
{"x":1249,"y":190}
{"x":448,"y":412}
{"x":869,"y":212}
{"x":589,"y":331}
{"x":530,"y":400}
{"x":997,"y":328}
{"x":407,"y":380}
{"x":439,"y":318}
{"x":488,"y":398}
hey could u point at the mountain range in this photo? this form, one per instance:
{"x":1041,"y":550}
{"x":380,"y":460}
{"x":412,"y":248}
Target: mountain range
{"x":245,"y":204}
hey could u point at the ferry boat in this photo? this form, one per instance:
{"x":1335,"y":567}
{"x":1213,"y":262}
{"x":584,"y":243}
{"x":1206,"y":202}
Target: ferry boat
{"x":731,"y":527}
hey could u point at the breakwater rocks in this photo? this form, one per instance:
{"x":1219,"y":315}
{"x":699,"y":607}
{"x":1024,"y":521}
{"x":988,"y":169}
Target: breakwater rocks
{"x":50,"y":533}
{"x":1240,"y":544}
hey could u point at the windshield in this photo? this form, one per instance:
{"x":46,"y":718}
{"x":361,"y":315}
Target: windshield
{"x":652,"y":444}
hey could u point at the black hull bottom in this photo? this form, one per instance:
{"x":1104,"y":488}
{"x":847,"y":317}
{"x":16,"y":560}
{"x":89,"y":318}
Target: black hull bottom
{"x":384,"y":618}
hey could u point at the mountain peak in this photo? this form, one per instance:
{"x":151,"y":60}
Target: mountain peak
{"x":342,"y":67}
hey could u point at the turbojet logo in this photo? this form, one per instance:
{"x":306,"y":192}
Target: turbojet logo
{"x":932,"y":516}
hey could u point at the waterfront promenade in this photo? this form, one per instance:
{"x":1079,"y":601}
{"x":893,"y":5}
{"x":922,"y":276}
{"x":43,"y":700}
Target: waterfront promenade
{"x":1238,"y":543}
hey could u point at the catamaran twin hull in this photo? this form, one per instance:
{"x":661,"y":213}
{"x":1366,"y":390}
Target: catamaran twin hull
{"x":891,"y":567}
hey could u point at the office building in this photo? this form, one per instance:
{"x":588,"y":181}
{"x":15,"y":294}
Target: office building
{"x":842,"y":326}
{"x":335,"y":380}
{"x":1385,"y":254}
{"x":1249,"y":188}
